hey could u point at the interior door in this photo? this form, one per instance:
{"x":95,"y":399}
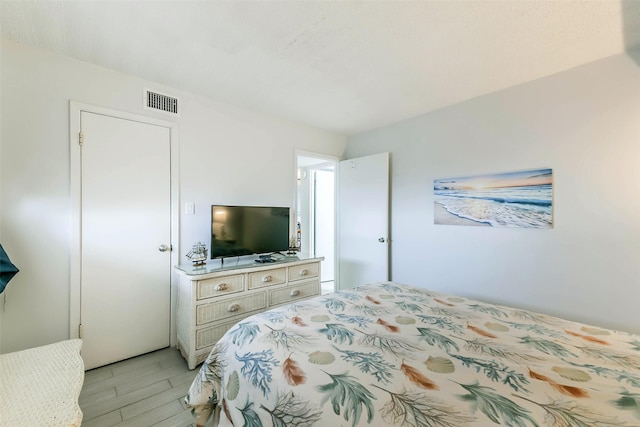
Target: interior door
{"x":363,"y":220}
{"x":125,"y":279}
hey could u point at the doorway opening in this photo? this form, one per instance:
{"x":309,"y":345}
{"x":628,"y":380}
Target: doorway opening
{"x":315,"y":212}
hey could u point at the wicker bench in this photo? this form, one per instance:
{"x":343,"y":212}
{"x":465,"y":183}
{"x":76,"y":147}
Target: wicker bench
{"x":40,"y":386}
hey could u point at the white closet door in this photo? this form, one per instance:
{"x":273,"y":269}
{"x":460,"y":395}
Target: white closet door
{"x":363,"y":220}
{"x":125,"y":238}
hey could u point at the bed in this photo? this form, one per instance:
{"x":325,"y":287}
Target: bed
{"x":390,"y":354}
{"x":40,"y":386}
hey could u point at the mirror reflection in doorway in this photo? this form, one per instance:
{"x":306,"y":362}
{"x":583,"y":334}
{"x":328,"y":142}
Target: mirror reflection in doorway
{"x":315,"y":213}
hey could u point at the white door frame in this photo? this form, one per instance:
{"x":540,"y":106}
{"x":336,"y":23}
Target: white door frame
{"x":75,"y":264}
{"x":329,"y":158}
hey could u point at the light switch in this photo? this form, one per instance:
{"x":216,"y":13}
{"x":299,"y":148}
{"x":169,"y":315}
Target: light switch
{"x":190,"y":208}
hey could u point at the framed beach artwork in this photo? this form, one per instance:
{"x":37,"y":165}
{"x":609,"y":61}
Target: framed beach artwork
{"x":516,"y":199}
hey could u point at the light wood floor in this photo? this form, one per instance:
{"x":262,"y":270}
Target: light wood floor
{"x":143,"y":391}
{"x":327,"y":287}
{"x":147,"y":390}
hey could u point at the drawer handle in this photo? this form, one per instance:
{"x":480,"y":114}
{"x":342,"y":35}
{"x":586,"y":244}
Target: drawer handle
{"x":233,"y":307}
{"x":303,"y":272}
{"x":222,"y":287}
{"x":294,"y":293}
{"x":266,"y":279}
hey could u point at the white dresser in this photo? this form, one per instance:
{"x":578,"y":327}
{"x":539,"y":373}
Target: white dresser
{"x":212,"y":298}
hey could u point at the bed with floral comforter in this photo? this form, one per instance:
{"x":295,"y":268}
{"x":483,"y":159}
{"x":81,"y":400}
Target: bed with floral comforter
{"x":394,"y":355}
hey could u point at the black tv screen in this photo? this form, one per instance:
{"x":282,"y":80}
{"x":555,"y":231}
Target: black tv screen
{"x":247,"y":230}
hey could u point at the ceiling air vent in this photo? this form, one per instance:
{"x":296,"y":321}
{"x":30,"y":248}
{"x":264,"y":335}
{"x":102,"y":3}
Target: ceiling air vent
{"x":160,"y":102}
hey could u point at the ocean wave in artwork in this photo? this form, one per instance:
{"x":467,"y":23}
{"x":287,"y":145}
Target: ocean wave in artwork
{"x":524,"y":206}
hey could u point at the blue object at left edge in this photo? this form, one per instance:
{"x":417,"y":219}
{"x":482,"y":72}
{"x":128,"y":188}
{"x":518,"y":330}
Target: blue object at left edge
{"x":7,"y":269}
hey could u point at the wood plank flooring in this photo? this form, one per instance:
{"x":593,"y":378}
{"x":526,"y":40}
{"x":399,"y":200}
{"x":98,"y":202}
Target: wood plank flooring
{"x":143,"y":391}
{"x":327,"y":287}
{"x":147,"y":390}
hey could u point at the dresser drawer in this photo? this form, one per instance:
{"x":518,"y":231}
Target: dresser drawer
{"x":230,"y":307}
{"x":212,"y":300}
{"x":260,"y":279}
{"x":207,"y":337}
{"x":294,"y":292}
{"x":304,"y":271}
{"x":219,"y":286}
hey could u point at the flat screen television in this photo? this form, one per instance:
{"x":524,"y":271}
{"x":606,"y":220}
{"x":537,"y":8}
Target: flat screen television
{"x":248,"y":230}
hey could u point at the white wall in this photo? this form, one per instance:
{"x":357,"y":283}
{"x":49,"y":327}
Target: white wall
{"x":585,"y":124}
{"x":227,"y":155}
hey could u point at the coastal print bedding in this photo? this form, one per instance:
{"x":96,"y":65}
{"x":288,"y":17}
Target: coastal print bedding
{"x":393,"y":355}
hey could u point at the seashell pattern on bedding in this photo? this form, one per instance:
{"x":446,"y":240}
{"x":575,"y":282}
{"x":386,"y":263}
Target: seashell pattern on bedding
{"x":394,"y":355}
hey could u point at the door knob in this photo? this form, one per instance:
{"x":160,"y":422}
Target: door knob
{"x":381,"y":240}
{"x":163,"y":248}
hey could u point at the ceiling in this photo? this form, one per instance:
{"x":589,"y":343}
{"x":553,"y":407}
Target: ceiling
{"x":343,"y":66}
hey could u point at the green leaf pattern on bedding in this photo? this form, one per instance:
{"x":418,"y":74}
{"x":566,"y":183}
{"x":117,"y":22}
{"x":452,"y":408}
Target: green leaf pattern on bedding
{"x":498,"y":408}
{"x":393,"y":355}
{"x":348,"y":397}
{"x":369,"y":363}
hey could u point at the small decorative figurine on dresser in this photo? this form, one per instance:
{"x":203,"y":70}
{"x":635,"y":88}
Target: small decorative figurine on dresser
{"x":198,"y":254}
{"x":293,"y":248}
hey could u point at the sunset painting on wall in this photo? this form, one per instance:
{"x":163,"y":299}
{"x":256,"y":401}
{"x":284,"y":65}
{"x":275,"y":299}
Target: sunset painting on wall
{"x":516,"y":199}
